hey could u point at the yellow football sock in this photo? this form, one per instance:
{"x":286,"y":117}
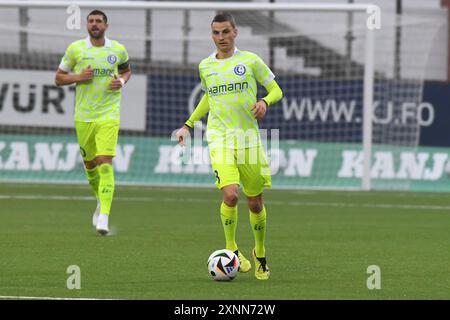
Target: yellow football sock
{"x":258,"y":224}
{"x":229,"y":219}
{"x":93,"y":179}
{"x":106,"y":187}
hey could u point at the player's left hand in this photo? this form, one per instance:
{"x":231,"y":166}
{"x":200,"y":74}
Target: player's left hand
{"x":181,"y":135}
{"x":116,"y":83}
{"x":259,"y":109}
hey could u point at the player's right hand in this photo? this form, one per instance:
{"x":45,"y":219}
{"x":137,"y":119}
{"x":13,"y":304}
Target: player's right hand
{"x":181,"y":135}
{"x":86,"y":75}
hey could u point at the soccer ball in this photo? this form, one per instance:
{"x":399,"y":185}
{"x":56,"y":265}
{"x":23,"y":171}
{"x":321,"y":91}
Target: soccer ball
{"x":223,"y":265}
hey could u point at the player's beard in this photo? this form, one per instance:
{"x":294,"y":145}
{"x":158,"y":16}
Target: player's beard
{"x":96,"y":34}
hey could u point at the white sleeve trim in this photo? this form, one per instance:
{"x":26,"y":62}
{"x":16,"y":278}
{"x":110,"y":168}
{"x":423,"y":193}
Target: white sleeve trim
{"x":64,"y":68}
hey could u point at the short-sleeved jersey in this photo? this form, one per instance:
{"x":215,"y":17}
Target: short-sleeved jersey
{"x":231,"y":87}
{"x":95,"y":101}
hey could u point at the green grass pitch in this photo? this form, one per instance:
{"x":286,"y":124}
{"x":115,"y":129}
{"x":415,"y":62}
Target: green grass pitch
{"x":319,"y":244}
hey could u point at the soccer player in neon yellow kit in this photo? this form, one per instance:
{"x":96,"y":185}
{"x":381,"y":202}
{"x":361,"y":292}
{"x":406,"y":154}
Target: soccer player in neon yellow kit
{"x":229,"y":78}
{"x":100,"y":68}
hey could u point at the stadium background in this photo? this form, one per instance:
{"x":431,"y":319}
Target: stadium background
{"x":320,"y":72}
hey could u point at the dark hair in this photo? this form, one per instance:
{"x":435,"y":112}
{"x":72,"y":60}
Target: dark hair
{"x":223,"y":17}
{"x":98,"y":13}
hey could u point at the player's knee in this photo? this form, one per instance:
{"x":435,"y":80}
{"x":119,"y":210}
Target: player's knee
{"x":90,"y":164}
{"x":230,"y":197}
{"x":255,"y":204}
{"x":255,"y":208}
{"x":104,"y":159}
{"x":230,"y":200}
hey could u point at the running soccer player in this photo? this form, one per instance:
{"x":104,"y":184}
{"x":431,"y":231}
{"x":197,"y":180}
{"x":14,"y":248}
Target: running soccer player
{"x":100,"y":68}
{"x":229,"y":78}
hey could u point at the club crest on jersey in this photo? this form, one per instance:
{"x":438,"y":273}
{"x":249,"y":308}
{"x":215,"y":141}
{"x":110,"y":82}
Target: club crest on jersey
{"x":112,"y":58}
{"x":239,"y":69}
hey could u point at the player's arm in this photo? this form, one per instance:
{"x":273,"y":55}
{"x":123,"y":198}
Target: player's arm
{"x":63,"y":78}
{"x":123,"y":69}
{"x":123,"y":77}
{"x":200,"y":111}
{"x":274,"y":94}
{"x":125,"y":74}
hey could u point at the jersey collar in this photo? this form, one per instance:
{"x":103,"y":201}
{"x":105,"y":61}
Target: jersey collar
{"x":90,"y":45}
{"x":236,"y":50}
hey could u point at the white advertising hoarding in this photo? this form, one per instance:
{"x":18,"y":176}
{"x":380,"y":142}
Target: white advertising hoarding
{"x":31,"y":98}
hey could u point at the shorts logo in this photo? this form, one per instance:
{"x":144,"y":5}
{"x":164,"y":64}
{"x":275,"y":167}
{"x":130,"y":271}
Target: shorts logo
{"x":239,"y":69}
{"x":83,"y":152}
{"x":217,"y":176}
{"x":112,"y":58}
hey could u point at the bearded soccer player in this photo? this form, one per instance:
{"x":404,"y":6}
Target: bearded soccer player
{"x":229,"y":79}
{"x":100,"y":68}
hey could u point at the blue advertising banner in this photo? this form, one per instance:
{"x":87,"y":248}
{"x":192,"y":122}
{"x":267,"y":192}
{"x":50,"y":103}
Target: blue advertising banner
{"x":437,"y":134}
{"x":321,"y":110}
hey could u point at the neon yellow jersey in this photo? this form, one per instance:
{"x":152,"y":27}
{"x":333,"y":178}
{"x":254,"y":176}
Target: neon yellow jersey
{"x":95,"y":101}
{"x":231,"y":87}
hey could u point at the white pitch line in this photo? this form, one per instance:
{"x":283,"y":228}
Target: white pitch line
{"x":284,"y":203}
{"x":47,"y":298}
{"x":43,"y":197}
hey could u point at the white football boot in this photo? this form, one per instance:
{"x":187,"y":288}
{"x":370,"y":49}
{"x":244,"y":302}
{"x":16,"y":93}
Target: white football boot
{"x":96,"y":213}
{"x":102,"y":224}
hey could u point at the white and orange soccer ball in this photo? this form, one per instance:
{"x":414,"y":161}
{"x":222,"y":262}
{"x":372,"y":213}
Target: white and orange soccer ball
{"x":223,"y":265}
